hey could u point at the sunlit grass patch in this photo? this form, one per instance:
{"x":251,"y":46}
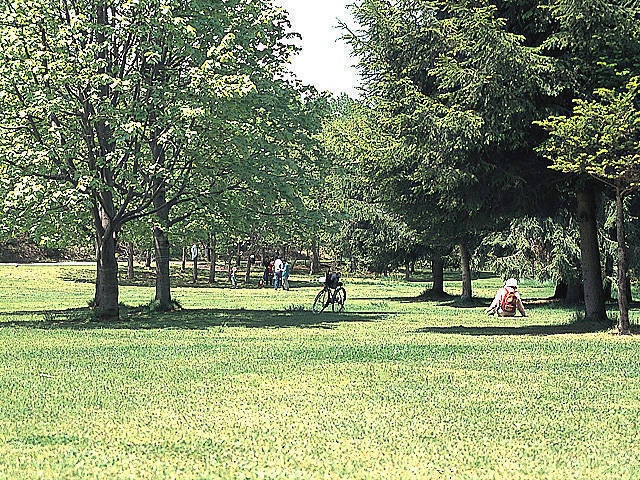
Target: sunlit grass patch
{"x":248,"y":383}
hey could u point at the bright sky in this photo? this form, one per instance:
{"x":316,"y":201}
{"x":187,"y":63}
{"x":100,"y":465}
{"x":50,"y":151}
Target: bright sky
{"x":324,"y":60}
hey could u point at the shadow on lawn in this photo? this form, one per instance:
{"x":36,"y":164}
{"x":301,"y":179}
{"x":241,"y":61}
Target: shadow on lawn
{"x":533,"y":330}
{"x":145,"y":277}
{"x":446,"y":300}
{"x":189,"y":319}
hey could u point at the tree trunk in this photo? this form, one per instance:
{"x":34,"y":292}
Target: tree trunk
{"x":162,"y":208}
{"x":161,"y":247}
{"x":103,"y":208}
{"x":214,"y":257}
{"x":130,"y":257}
{"x":147,"y":260}
{"x":590,"y":256}
{"x":465,"y":264}
{"x":163,"y":286}
{"x":105,"y":301}
{"x":575,"y":293}
{"x":437,"y":274}
{"x":315,"y":257}
{"x":194,"y":278}
{"x":353,"y":264}
{"x":247,"y":273}
{"x":183,"y":263}
{"x":561,"y":290}
{"x":407,"y":270}
{"x":238,"y":253}
{"x":623,"y":299}
{"x":607,"y":288}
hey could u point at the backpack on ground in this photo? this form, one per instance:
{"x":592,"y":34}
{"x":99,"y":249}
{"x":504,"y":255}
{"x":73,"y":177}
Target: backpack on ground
{"x":509,"y":301}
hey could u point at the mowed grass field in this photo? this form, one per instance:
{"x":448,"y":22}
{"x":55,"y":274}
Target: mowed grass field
{"x":248,"y":383}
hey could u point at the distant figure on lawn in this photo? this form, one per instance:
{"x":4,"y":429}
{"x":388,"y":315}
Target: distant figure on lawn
{"x":286,"y":271}
{"x":234,"y":280}
{"x":277,"y":273}
{"x":507,"y":301}
{"x":267,"y":275}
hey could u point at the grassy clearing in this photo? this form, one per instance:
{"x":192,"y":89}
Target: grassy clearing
{"x":248,"y":383}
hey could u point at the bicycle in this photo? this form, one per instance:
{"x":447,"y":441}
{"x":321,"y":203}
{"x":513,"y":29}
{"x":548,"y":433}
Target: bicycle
{"x":333,"y":293}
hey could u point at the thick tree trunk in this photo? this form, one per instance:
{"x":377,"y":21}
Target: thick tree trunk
{"x":407,"y":270}
{"x":214,"y":257}
{"x":163,"y":283}
{"x":105,"y":301}
{"x":465,"y":265}
{"x":161,"y":245}
{"x":437,"y":274}
{"x":574,"y":294}
{"x":315,"y":257}
{"x":623,"y":299}
{"x":130,"y":257}
{"x":103,"y":209}
{"x":590,"y":256}
{"x":561,"y":290}
{"x":161,"y":228}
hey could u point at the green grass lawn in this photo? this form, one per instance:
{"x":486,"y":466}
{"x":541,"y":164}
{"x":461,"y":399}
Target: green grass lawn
{"x":248,"y":383}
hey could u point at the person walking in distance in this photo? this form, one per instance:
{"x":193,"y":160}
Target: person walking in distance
{"x":234,"y":280}
{"x":286,"y":271}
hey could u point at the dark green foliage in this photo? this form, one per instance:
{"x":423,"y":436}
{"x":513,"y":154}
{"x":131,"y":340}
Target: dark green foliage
{"x":544,"y":249}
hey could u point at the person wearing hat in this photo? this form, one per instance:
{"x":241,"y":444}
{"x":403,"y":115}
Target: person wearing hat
{"x":507,"y":301}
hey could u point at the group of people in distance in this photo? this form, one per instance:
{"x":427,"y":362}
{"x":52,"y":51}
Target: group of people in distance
{"x":276,"y":273}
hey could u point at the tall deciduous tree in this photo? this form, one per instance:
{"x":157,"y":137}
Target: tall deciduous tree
{"x":114,"y":99}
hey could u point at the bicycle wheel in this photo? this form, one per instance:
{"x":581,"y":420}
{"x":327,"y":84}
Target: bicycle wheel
{"x":321,"y":301}
{"x":339,"y":297}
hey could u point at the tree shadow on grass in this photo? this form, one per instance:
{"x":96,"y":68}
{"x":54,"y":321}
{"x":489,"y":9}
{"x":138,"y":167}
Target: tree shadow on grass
{"x":145,"y":277}
{"x":140,"y":318}
{"x":455,"y":301}
{"x":525,"y":330}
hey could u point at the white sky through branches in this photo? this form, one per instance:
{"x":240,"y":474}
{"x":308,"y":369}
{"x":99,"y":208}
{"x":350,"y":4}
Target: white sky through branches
{"x":324,"y":60}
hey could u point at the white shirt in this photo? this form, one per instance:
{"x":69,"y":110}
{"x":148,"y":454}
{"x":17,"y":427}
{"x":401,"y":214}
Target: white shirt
{"x":277,"y":265}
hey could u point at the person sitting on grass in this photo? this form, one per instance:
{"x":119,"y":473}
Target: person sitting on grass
{"x":507,"y":301}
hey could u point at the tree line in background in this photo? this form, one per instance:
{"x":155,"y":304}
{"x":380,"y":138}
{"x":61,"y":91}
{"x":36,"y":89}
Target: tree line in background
{"x":500,"y":135}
